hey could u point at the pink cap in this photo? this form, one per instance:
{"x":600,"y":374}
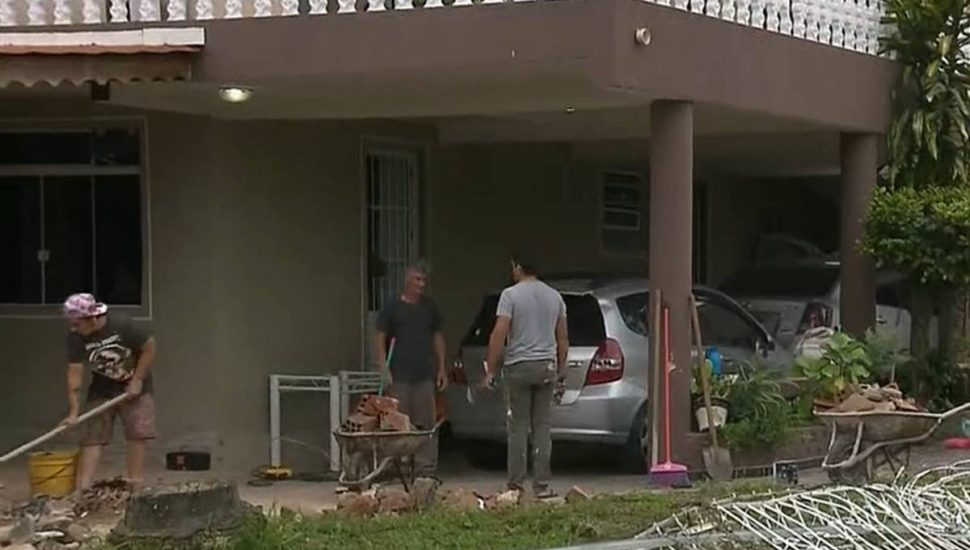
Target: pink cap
{"x":81,"y":306}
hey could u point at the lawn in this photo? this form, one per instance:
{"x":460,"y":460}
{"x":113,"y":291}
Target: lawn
{"x":537,"y":526}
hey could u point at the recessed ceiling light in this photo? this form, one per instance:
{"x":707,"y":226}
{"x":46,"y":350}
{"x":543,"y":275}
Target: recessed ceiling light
{"x":570,"y":110}
{"x":235,"y":94}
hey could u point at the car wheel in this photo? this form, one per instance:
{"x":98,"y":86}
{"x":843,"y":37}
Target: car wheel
{"x":484,"y":455}
{"x":636,"y":455}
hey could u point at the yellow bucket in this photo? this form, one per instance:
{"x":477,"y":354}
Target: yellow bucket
{"x":52,"y":473}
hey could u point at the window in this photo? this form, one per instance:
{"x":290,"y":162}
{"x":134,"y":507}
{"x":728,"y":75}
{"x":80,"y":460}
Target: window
{"x":622,"y":220}
{"x":71,"y":216}
{"x":633,"y":309}
{"x":584,"y":322}
{"x":723,"y":327}
{"x":782,"y":282}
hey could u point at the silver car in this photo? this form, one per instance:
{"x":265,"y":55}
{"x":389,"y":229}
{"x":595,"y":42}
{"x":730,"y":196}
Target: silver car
{"x":606,"y":376}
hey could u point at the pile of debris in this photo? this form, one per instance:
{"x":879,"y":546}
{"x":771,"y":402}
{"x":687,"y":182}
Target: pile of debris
{"x":42,"y":524}
{"x":377,"y":413}
{"x":103,"y":496}
{"x":424,"y":493}
{"x":877,"y":399}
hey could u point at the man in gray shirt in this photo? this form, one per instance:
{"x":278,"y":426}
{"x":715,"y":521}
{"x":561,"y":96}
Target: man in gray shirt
{"x":531,"y":317}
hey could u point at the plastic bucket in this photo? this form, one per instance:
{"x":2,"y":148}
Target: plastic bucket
{"x":52,"y":473}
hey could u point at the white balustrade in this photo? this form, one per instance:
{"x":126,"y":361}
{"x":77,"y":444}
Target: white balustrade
{"x":62,"y":12}
{"x":148,"y":10}
{"x":234,"y":9}
{"x":850,"y":24}
{"x":811,"y":20}
{"x":798,"y":15}
{"x":758,"y":13}
{"x":263,"y":8}
{"x":743,"y":15}
{"x":772,"y":9}
{"x":37,"y":12}
{"x":204,"y":10}
{"x":8,"y":17}
{"x":176,"y":10}
{"x":784,"y":16}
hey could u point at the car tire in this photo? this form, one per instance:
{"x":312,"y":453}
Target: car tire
{"x":484,"y":455}
{"x":636,"y":452}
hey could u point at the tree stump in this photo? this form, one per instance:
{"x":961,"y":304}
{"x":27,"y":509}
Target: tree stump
{"x":182,"y":511}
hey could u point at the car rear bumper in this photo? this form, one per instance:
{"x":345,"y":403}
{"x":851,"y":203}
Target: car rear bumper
{"x":602,"y":414}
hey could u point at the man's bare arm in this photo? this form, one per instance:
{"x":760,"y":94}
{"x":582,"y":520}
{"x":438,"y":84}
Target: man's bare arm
{"x":146,"y":359}
{"x":496,"y":342}
{"x":562,"y":343}
{"x":75,"y":375}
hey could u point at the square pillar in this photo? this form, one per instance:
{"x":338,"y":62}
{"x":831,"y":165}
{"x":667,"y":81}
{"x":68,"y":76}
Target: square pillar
{"x":671,"y":224}
{"x":859,"y":160}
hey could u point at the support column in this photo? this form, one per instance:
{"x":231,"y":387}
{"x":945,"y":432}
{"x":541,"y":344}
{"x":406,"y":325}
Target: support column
{"x":671,"y":223}
{"x":859,"y":171}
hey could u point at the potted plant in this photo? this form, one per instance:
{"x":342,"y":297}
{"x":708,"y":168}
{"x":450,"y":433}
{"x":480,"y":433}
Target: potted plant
{"x":719,"y":401}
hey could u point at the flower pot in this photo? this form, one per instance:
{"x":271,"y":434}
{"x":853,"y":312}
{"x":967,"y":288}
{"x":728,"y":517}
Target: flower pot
{"x":719,"y":410}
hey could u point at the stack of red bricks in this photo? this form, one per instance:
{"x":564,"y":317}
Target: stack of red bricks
{"x":378,"y":413}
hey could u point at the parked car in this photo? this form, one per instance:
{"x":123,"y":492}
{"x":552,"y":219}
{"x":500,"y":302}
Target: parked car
{"x":791,"y":299}
{"x":606,"y":377}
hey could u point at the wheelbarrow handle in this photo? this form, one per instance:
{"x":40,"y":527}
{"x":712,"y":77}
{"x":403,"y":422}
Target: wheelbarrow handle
{"x":97,"y":411}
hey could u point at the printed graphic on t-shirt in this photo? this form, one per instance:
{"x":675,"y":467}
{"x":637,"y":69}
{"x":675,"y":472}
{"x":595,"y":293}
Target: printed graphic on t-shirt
{"x":110,"y":358}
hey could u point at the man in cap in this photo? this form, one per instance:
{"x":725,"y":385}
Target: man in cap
{"x":120,"y":355}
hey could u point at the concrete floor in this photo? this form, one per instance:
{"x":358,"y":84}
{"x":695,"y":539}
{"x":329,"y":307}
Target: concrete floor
{"x":584,"y":470}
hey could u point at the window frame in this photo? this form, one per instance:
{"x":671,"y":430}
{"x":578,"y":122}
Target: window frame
{"x":643,"y":191}
{"x":143,"y":311}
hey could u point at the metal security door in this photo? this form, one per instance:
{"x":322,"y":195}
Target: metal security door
{"x":392,"y":228}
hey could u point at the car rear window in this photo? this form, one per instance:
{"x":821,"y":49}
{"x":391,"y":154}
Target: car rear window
{"x":782,"y":282}
{"x":583,"y":319}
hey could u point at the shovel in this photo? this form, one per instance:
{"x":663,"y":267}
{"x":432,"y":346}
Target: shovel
{"x":717,"y":460}
{"x":100,"y":409}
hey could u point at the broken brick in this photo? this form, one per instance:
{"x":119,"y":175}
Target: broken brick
{"x":357,"y":505}
{"x":461,"y":500}
{"x":395,"y":422}
{"x":423,"y":492}
{"x":393,"y":501}
{"x":577,"y":495}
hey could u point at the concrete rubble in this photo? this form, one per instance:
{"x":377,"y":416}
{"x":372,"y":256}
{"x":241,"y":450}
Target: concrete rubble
{"x":877,"y":399}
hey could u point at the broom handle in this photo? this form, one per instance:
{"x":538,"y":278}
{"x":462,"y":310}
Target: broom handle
{"x":387,"y":365}
{"x":666,"y":365}
{"x":100,"y":409}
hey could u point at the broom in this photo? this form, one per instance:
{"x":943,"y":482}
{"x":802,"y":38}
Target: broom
{"x":668,"y":473}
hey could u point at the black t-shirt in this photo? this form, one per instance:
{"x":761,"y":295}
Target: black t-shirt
{"x":413,"y":327}
{"x":112,"y":355}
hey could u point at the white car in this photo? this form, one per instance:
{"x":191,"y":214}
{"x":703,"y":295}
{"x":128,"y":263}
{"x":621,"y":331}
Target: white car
{"x":792,"y":299}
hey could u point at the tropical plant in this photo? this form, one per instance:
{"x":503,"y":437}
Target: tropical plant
{"x":929,"y":140}
{"x":888,"y":364}
{"x":719,"y":385}
{"x":760,"y":418}
{"x":844,"y":363}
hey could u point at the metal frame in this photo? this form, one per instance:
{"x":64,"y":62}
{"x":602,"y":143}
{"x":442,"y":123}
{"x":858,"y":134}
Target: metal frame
{"x":345,"y":384}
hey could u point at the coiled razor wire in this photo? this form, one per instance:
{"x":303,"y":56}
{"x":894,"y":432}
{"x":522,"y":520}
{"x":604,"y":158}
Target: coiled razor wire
{"x":929,"y":511}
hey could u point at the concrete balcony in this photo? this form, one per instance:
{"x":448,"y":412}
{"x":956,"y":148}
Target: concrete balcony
{"x":849,"y":24}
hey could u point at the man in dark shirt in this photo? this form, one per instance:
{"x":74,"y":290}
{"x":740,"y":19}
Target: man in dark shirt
{"x":409,"y":331}
{"x":120,"y":356}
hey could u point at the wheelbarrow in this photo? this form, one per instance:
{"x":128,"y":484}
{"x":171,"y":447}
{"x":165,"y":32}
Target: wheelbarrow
{"x":863,"y":442}
{"x":367,"y":455}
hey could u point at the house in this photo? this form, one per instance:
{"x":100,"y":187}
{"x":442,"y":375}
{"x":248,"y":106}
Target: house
{"x":252,"y":176}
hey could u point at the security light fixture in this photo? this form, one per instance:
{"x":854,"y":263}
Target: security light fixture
{"x":235,"y":94}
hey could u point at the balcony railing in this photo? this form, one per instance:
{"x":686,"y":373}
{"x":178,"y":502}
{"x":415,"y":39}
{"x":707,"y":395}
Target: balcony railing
{"x":849,"y":24}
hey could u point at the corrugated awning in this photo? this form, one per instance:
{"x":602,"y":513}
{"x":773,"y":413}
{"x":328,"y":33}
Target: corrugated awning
{"x":31,"y":61}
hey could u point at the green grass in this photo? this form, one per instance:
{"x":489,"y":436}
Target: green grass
{"x":604,"y":518}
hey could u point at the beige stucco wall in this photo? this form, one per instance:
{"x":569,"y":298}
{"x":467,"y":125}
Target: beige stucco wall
{"x":255,"y":266}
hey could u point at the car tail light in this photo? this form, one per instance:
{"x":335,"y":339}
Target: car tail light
{"x":816,"y":315}
{"x":456,"y":375}
{"x":607,"y":364}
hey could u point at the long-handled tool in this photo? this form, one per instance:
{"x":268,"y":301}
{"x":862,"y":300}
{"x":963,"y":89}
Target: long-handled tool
{"x":668,"y":473}
{"x":717,"y":460}
{"x":100,"y":409}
